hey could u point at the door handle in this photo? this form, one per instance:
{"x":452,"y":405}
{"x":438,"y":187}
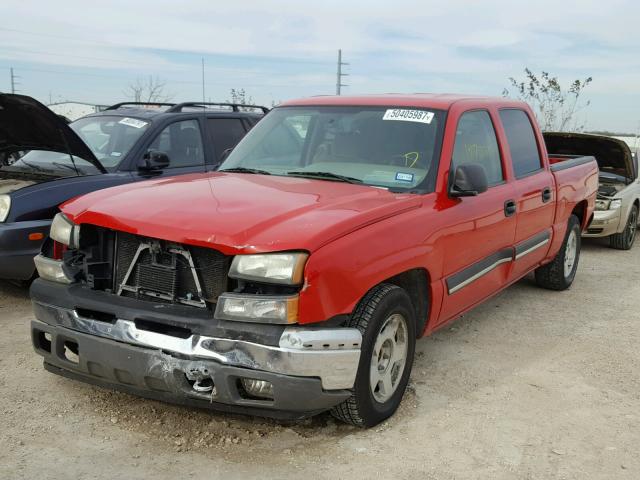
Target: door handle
{"x":509,"y":208}
{"x":546,"y":194}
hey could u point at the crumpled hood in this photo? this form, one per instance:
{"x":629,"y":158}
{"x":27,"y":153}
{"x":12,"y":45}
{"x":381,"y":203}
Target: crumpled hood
{"x":240,"y":213}
{"x":609,"y":152}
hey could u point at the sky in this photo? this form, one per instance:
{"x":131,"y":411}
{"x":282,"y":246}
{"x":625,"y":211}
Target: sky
{"x":278,"y":50}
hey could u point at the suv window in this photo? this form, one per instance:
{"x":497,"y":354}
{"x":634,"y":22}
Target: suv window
{"x":225,"y":133}
{"x":522,"y":141}
{"x":182,"y":142}
{"x":476,"y":144}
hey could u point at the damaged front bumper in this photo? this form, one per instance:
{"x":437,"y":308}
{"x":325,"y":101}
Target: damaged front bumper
{"x":311,"y":370}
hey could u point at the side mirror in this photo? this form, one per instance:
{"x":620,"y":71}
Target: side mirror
{"x":154,"y":160}
{"x":469,"y":181}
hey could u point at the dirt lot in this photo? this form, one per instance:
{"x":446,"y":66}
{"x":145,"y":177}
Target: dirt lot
{"x":533,"y":384}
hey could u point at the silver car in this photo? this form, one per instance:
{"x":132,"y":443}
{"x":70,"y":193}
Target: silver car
{"x":618,"y":202}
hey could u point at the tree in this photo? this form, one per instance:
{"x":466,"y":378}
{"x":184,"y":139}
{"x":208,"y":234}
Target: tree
{"x":556,"y":108}
{"x":238,"y":95}
{"x":148,"y":90}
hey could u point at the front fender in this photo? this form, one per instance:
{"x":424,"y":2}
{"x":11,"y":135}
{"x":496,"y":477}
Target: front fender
{"x":339,"y":274}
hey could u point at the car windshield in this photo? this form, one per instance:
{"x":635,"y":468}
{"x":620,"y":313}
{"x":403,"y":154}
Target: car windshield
{"x":109,"y":138}
{"x":396,"y":148}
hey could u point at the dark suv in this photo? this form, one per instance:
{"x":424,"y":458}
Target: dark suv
{"x":125,"y":143}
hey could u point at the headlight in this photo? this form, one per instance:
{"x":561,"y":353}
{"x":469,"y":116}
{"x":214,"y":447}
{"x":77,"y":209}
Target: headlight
{"x":64,"y":231}
{"x":602,"y":204}
{"x":5,"y":206}
{"x":257,"y":308}
{"x":615,"y":204}
{"x":282,"y":268}
{"x":608,"y":204}
{"x":52,"y":270}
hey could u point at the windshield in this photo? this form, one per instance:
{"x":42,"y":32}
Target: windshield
{"x":108,"y":137}
{"x":396,"y":148}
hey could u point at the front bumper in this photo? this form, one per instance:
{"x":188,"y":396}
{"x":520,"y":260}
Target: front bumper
{"x":310,"y":370}
{"x":17,"y":251}
{"x":604,"y":223}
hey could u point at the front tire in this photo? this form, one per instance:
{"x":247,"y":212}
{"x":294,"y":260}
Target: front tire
{"x":624,"y":240}
{"x":561,"y":271}
{"x":386,"y":319}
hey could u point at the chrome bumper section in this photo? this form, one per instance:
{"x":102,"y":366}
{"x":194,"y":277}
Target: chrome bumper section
{"x":329,"y":354}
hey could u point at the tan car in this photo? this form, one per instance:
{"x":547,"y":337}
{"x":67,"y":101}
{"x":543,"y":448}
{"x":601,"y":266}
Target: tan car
{"x":618,"y":202}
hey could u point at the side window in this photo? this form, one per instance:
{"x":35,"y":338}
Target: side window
{"x":522,"y":141}
{"x":225,"y":133}
{"x":182,"y":142}
{"x":476,"y":144}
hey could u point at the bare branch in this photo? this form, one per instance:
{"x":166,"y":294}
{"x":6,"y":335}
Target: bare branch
{"x":147,"y":90}
{"x":555,"y":108}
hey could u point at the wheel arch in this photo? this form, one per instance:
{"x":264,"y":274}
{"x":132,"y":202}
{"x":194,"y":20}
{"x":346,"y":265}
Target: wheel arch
{"x":580,"y":211}
{"x":416,"y":283}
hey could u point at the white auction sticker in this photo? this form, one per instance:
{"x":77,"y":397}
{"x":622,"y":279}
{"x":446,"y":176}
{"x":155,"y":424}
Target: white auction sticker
{"x":133,"y":122}
{"x":401,"y":114}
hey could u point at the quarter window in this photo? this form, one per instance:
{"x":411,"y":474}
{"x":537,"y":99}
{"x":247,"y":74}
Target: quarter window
{"x":476,"y":144}
{"x":522,"y":142}
{"x":182,"y":143}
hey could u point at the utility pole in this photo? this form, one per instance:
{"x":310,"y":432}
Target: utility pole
{"x":203,"y":97}
{"x":339,"y":75}
{"x":13,"y":80}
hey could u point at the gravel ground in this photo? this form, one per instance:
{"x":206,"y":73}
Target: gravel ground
{"x":533,"y":384}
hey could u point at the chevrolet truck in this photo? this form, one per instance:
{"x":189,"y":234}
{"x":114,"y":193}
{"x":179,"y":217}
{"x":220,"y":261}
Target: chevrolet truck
{"x":297,"y":278}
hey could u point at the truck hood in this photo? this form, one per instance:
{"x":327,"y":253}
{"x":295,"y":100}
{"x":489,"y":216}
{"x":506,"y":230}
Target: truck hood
{"x":240,"y":213}
{"x":610,"y":152}
{"x":26,"y":124}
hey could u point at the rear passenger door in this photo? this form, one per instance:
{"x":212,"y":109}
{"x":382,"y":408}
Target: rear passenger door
{"x":225,"y":133}
{"x":478,"y":245}
{"x":534,"y":190}
{"x":182,"y":142}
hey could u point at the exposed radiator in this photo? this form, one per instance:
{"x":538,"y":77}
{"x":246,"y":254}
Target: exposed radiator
{"x":168,"y":272}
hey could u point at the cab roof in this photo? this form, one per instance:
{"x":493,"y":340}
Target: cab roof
{"x":442,"y":101}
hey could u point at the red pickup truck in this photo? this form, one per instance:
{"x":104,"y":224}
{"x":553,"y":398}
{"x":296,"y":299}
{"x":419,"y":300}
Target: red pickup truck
{"x":297,"y":277}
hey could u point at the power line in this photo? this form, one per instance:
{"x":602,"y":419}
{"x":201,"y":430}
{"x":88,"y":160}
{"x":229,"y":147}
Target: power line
{"x":339,"y":74}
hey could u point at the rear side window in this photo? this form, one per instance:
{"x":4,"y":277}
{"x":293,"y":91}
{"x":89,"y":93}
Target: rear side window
{"x":522,"y":142}
{"x":225,"y":133}
{"x":476,"y":144}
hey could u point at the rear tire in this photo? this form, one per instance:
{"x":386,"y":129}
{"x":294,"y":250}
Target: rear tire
{"x":386,"y":319}
{"x":560,"y":272}
{"x":624,"y":240}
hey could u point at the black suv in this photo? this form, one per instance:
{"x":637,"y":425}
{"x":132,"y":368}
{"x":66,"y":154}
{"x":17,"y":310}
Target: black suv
{"x":125,"y":143}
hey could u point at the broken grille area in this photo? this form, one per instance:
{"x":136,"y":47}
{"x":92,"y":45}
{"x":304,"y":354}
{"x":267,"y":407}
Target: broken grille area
{"x":167,"y":272}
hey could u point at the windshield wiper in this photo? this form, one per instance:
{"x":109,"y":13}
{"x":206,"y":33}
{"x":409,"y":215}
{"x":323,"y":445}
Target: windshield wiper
{"x":37,"y":168}
{"x":245,"y":170}
{"x":76,"y":170}
{"x":327,"y":175}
